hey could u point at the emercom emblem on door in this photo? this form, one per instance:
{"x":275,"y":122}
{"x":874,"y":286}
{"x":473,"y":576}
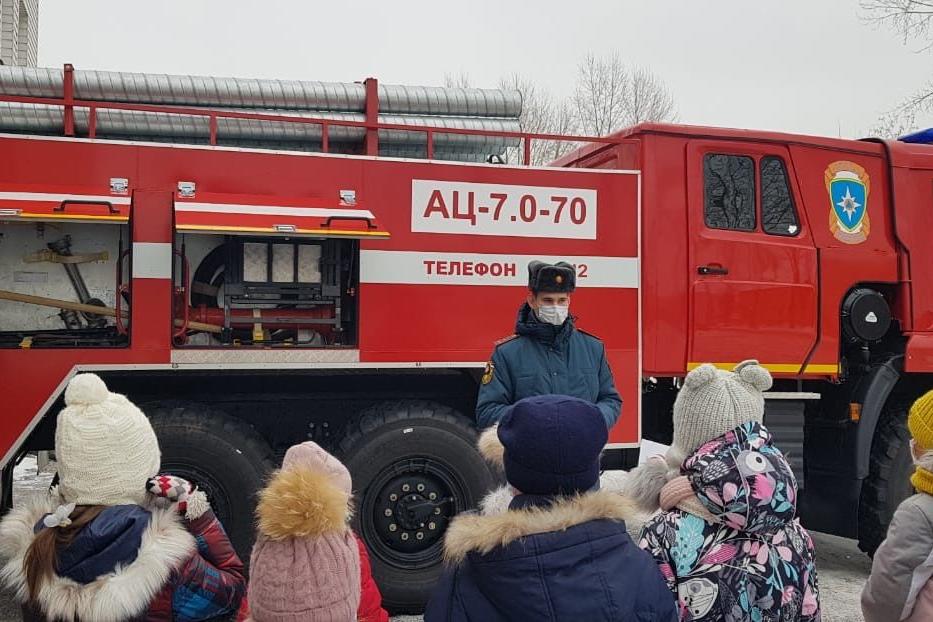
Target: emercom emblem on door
{"x":848,"y":186}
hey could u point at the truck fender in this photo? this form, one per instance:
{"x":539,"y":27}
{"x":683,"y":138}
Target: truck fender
{"x":919,"y":357}
{"x":872,"y":393}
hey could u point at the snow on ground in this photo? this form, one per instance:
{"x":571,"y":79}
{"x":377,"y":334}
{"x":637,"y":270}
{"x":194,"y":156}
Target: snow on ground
{"x":842,"y":567}
{"x":27,"y":479}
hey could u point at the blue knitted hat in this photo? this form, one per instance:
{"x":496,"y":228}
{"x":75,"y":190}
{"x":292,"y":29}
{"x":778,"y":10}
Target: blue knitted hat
{"x":552,"y":444}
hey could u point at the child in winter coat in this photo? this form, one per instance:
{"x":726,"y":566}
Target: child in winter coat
{"x":370,"y":609}
{"x":900,"y":586}
{"x":306,"y":560}
{"x":560,"y":551}
{"x":101,"y":548}
{"x":727,"y":540}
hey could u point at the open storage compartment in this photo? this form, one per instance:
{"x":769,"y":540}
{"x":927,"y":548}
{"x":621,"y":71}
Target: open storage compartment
{"x":253,"y":274}
{"x":64,"y":271}
{"x":244,"y":290}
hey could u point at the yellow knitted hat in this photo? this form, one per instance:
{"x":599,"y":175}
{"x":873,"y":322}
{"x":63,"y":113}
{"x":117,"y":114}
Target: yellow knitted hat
{"x":920,"y":421}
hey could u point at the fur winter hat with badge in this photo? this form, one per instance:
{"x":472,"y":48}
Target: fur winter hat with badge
{"x":710,"y":403}
{"x":105,"y":447}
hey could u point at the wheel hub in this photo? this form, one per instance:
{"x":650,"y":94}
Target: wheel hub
{"x":411,"y":510}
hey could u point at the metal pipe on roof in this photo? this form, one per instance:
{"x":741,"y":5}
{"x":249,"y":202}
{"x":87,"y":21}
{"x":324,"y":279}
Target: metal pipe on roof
{"x":127,"y":87}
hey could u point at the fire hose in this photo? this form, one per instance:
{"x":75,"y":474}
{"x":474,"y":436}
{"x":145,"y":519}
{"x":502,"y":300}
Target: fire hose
{"x":83,"y":308}
{"x":272,"y":318}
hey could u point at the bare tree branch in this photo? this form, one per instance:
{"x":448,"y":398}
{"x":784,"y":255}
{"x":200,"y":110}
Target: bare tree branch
{"x":649,"y":99}
{"x":895,"y":123}
{"x":459,"y":80}
{"x":601,"y":91}
{"x":609,"y":96}
{"x":541,"y":114}
{"x":912,"y":19}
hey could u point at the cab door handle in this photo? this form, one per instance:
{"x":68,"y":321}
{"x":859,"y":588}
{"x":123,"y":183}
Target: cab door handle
{"x":713,"y":269}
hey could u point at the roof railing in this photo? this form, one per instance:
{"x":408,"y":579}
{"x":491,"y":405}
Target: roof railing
{"x":371,"y":125}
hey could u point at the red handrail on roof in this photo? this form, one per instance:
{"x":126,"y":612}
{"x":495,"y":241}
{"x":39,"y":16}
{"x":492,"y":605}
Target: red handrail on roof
{"x":372,"y":125}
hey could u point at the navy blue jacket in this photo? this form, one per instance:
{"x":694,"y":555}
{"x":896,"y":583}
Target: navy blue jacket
{"x":544,"y":359}
{"x":591,"y":571}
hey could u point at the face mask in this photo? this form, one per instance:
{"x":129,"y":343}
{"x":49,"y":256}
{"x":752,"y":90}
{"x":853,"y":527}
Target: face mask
{"x":552,"y":314}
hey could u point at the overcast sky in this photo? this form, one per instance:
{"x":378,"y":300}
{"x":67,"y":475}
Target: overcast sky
{"x":810,"y":66}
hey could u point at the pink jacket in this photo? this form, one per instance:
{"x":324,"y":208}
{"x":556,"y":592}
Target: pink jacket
{"x":901,"y":583}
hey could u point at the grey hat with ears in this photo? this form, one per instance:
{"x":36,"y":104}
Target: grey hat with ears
{"x":713,"y":401}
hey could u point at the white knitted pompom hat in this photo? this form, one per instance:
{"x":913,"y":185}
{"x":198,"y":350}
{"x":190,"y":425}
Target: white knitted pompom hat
{"x":104,"y":446}
{"x":713,"y":401}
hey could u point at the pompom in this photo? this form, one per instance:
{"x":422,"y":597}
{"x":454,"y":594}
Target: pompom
{"x":754,"y":374}
{"x":301,"y":503}
{"x":704,"y":374}
{"x":86,"y":390}
{"x":310,"y":455}
{"x":197,"y":505}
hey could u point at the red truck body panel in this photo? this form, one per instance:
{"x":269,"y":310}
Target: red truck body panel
{"x":436,"y":297}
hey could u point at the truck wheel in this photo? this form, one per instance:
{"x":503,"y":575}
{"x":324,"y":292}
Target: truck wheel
{"x":888,"y":480}
{"x":415,"y":466}
{"x":222,"y":455}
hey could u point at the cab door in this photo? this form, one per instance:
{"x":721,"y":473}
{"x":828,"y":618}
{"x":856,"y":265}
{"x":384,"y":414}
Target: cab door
{"x":754,"y":287}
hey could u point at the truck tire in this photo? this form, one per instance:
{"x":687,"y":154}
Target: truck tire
{"x":888,"y":480}
{"x":224,"y":456}
{"x":415,"y":466}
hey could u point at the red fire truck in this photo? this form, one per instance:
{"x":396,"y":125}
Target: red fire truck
{"x":250,"y":295}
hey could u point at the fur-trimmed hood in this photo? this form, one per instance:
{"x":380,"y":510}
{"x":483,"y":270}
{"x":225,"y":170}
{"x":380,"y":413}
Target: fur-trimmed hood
{"x":491,"y":448}
{"x":548,"y":559}
{"x":300,"y":502}
{"x":124,"y":593}
{"x":481,"y":533}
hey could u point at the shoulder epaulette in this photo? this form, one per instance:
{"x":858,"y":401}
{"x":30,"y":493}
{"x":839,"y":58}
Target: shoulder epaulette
{"x":580,"y":330}
{"x":499,"y":342}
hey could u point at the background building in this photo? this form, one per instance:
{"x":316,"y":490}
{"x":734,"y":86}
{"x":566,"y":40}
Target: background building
{"x":19,"y":32}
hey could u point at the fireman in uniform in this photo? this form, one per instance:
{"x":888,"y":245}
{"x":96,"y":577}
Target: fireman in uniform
{"x":547,"y":354}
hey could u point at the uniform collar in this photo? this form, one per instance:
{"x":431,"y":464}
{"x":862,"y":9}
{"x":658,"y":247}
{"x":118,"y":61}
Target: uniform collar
{"x":529,"y":325}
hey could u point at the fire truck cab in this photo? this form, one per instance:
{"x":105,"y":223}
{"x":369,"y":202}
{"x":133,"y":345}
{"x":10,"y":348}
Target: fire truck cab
{"x":808,"y":254}
{"x":249,"y":296}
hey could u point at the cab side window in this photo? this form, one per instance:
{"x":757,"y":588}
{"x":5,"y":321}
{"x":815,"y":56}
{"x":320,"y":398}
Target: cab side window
{"x":778,"y":216}
{"x":729,"y":192}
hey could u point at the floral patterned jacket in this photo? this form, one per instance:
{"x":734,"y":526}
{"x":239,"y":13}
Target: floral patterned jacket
{"x":755,"y":563}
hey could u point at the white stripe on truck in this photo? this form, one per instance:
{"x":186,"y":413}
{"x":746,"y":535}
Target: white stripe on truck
{"x":430,"y":268}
